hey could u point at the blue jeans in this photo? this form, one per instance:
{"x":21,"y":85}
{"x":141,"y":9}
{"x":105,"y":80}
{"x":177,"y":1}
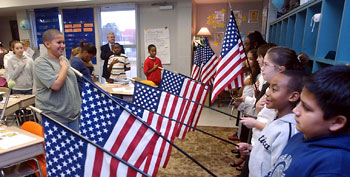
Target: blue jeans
{"x":74,"y":125}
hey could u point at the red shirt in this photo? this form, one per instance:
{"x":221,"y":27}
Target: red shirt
{"x":154,"y":76}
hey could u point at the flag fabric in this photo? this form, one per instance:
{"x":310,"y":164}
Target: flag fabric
{"x":229,"y":72}
{"x":179,"y":85}
{"x":70,"y":155}
{"x":209,"y":63}
{"x":168,"y":105}
{"x":197,"y":63}
{"x":111,"y":126}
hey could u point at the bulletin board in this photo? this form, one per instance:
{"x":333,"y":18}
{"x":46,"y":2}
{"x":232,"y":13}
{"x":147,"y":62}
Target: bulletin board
{"x":45,"y":19}
{"x":78,"y":26}
{"x":160,"y":38}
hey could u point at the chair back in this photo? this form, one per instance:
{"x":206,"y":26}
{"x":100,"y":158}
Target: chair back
{"x":36,"y":129}
{"x":33,"y":127}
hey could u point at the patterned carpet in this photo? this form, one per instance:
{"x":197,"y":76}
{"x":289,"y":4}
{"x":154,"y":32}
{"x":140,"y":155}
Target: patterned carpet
{"x":214,"y":154}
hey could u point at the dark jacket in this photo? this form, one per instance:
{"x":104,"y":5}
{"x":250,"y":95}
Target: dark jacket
{"x":327,"y":155}
{"x":105,"y":54}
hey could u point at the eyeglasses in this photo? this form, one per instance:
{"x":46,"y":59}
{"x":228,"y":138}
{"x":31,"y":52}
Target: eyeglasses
{"x":265,"y":64}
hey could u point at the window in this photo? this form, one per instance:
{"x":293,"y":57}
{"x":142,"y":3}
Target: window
{"x":121,"y":20}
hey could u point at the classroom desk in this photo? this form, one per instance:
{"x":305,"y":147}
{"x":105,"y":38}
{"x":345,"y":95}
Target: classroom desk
{"x":17,"y":102}
{"x":117,"y":89}
{"x":121,"y":91}
{"x":23,"y":151}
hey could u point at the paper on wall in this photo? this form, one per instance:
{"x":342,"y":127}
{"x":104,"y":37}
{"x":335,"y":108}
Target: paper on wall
{"x":160,"y":38}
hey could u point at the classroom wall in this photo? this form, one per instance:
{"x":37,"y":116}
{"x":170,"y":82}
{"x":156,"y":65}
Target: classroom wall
{"x":179,"y":22}
{"x":23,"y":34}
{"x":272,"y":15}
{"x":205,"y":10}
{"x":5,"y":35}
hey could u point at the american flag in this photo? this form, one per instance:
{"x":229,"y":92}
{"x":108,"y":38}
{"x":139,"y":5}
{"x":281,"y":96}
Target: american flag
{"x":111,"y":126}
{"x":209,"y":62}
{"x":70,"y":155}
{"x":197,"y":62}
{"x":166,"y":104}
{"x":181,"y":86}
{"x":229,"y":72}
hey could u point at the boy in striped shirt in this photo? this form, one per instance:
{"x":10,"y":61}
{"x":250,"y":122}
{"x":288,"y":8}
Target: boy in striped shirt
{"x":118,"y":63}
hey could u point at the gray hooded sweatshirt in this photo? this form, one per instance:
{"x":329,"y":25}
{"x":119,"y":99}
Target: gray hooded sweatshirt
{"x":270,"y":144}
{"x":21,"y":71}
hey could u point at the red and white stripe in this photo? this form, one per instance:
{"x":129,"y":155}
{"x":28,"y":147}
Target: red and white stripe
{"x":192,"y":91}
{"x":229,"y":71}
{"x":171,"y":106}
{"x":209,"y":69}
{"x":200,"y":108}
{"x":130,"y":140}
{"x":196,"y":70}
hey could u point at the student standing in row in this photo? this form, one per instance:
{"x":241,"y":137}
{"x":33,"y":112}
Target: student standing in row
{"x":57,"y":92}
{"x":276,"y":60}
{"x":118,"y":63}
{"x":323,"y":118}
{"x":152,"y":64}
{"x":283,"y":95}
{"x":20,"y":69}
{"x":81,"y":62}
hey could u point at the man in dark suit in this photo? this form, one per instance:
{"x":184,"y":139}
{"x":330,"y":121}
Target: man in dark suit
{"x":106,"y":52}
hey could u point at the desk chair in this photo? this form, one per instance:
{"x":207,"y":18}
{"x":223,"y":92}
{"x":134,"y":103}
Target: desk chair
{"x":36,"y":129}
{"x":35,"y":165}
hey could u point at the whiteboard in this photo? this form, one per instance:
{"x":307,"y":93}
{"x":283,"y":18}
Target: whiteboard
{"x":160,"y":38}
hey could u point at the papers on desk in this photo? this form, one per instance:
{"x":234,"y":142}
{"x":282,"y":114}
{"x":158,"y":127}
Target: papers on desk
{"x":10,"y":139}
{"x":122,"y":89}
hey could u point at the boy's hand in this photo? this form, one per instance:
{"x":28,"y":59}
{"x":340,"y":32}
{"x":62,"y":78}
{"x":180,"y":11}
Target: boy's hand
{"x":155,"y":66}
{"x":63,"y":63}
{"x":115,"y":61}
{"x":238,"y":101}
{"x":87,"y":64}
{"x":260,"y":104}
{"x":244,"y":148}
{"x":236,"y":104}
{"x":249,"y":122}
{"x":257,"y":83}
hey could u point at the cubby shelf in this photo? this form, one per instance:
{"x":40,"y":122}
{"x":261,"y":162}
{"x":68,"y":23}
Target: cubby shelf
{"x":326,"y":42}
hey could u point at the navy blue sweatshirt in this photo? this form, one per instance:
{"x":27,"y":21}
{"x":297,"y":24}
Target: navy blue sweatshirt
{"x":327,"y":155}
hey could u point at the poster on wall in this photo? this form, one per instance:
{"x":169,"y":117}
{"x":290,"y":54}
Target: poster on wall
{"x":78,"y":28}
{"x":253,"y":16}
{"x":217,"y":19}
{"x":219,"y":37}
{"x":238,"y":16}
{"x":160,"y":38}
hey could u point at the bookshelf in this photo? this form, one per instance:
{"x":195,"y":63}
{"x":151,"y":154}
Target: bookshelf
{"x":326,"y":43}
